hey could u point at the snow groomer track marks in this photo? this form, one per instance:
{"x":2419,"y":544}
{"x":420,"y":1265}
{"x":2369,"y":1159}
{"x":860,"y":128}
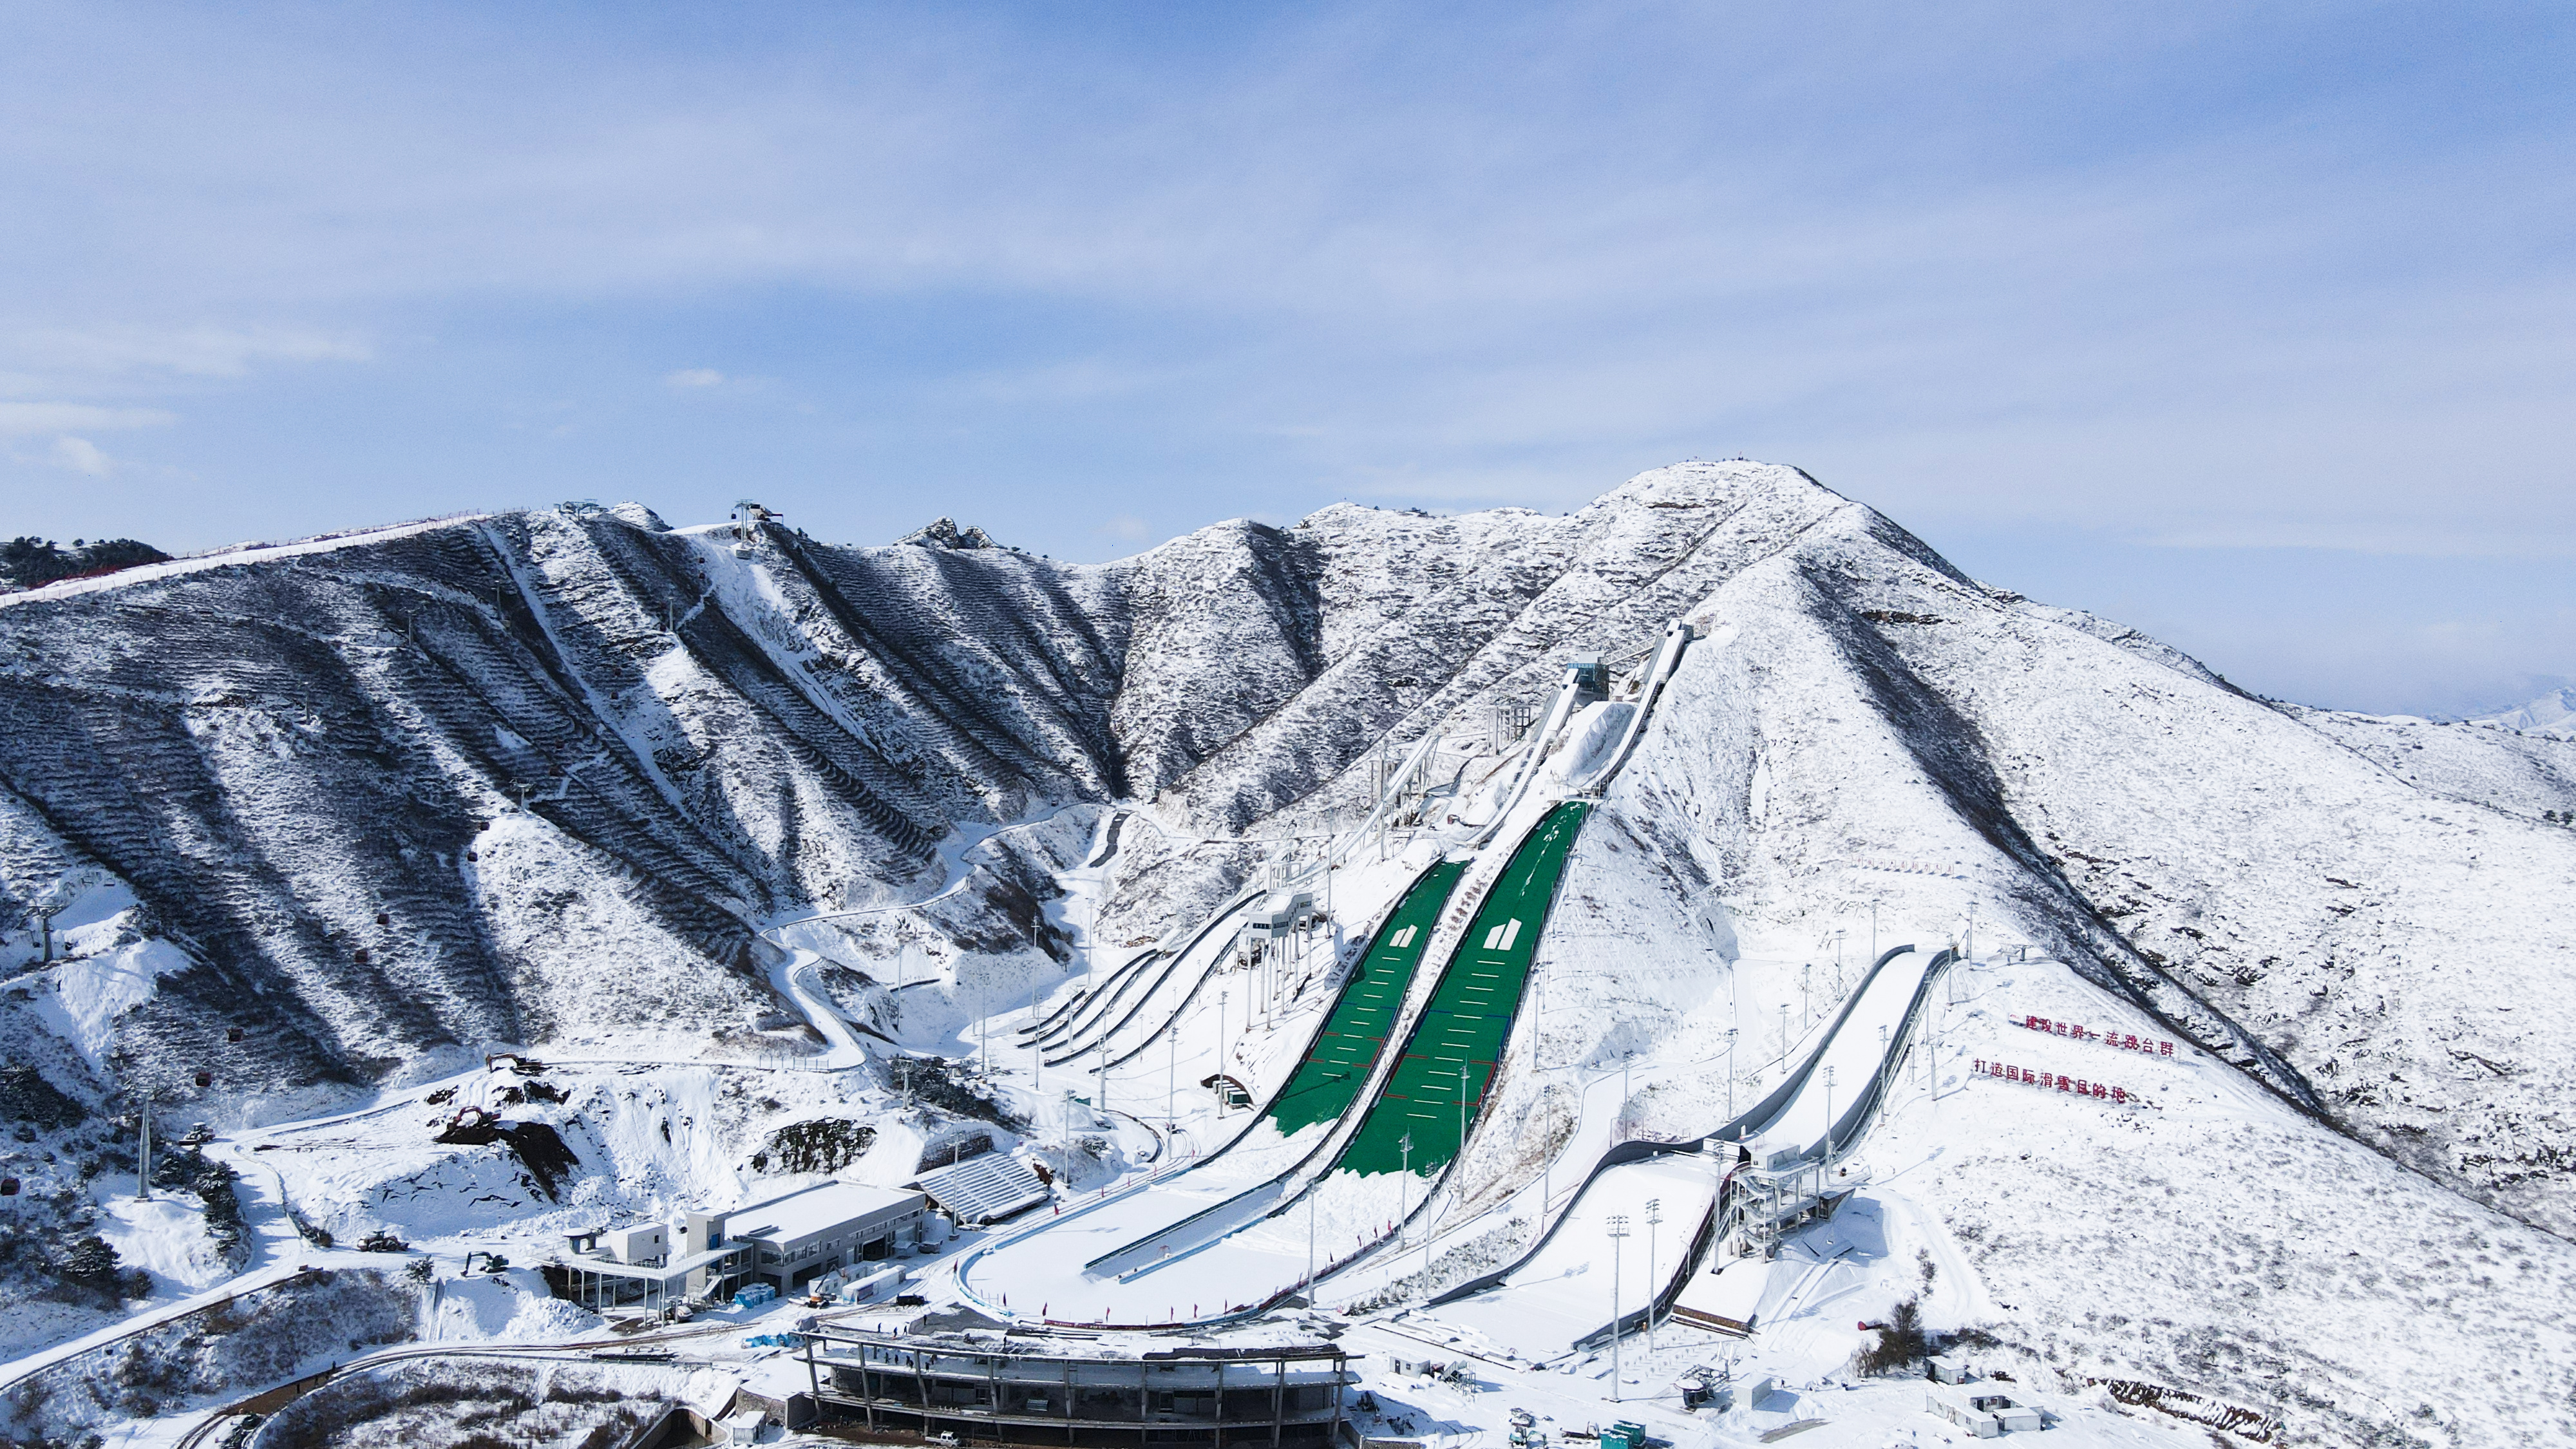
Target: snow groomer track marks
{"x":1455,"y":1045}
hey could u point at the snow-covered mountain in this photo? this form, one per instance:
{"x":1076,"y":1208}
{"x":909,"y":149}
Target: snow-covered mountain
{"x":274,"y":798}
{"x":2551,"y":714}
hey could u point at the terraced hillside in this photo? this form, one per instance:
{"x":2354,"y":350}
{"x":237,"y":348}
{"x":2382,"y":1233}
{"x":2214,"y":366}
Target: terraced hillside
{"x":274,"y":798}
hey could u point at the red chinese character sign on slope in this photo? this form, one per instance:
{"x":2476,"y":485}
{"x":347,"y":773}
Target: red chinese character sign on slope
{"x":2124,"y":1040}
{"x":2078,"y":1086}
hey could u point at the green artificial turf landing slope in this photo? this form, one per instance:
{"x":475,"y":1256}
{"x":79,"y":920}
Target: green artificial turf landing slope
{"x":1346,"y":1049}
{"x":1454,"y":1048}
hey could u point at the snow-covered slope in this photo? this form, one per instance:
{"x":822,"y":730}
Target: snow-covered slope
{"x":301,"y":767}
{"x":274,"y":801}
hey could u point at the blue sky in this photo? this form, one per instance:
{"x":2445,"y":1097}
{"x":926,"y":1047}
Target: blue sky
{"x":2251,"y":326}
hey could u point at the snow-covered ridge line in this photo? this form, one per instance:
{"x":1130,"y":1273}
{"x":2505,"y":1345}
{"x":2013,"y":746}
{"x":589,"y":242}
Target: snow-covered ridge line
{"x":302,"y":776}
{"x":232,"y":554}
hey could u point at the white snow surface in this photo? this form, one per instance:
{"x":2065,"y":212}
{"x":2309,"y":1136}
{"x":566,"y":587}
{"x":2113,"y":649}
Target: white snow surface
{"x":2345,"y":1205}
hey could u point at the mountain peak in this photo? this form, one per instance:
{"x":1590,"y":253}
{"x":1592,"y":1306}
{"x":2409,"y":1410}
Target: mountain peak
{"x":2553,"y":713}
{"x":945,"y":533}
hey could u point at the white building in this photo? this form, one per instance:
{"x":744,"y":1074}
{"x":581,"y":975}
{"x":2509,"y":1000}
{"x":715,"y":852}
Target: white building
{"x":805,"y":1234}
{"x":786,"y":1242}
{"x":1278,"y":914}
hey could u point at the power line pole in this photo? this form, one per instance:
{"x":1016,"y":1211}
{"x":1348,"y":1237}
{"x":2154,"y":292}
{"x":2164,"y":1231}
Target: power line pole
{"x":143,"y":1160}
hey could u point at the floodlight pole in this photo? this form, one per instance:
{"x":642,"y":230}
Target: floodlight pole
{"x":1462,"y":1114}
{"x":1730,"y":1074}
{"x":1829,"y":1119}
{"x":1619,"y":1124}
{"x":1618,"y":1235}
{"x":1882,"y":1075}
{"x":1310,"y":1246}
{"x":1404,"y":1175}
{"x":1654,"y":1282}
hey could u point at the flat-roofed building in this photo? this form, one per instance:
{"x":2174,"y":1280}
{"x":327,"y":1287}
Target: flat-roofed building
{"x":786,"y":1242}
{"x":811,"y":1232}
{"x":647,"y":1244}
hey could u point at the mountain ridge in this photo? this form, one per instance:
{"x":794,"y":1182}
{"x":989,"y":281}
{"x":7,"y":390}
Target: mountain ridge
{"x":288,"y":758}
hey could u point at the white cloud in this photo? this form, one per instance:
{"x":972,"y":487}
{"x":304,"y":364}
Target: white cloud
{"x":695,"y":377}
{"x":19,"y":419}
{"x":1128,"y":527}
{"x":81,"y":456}
{"x":185,"y":352}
